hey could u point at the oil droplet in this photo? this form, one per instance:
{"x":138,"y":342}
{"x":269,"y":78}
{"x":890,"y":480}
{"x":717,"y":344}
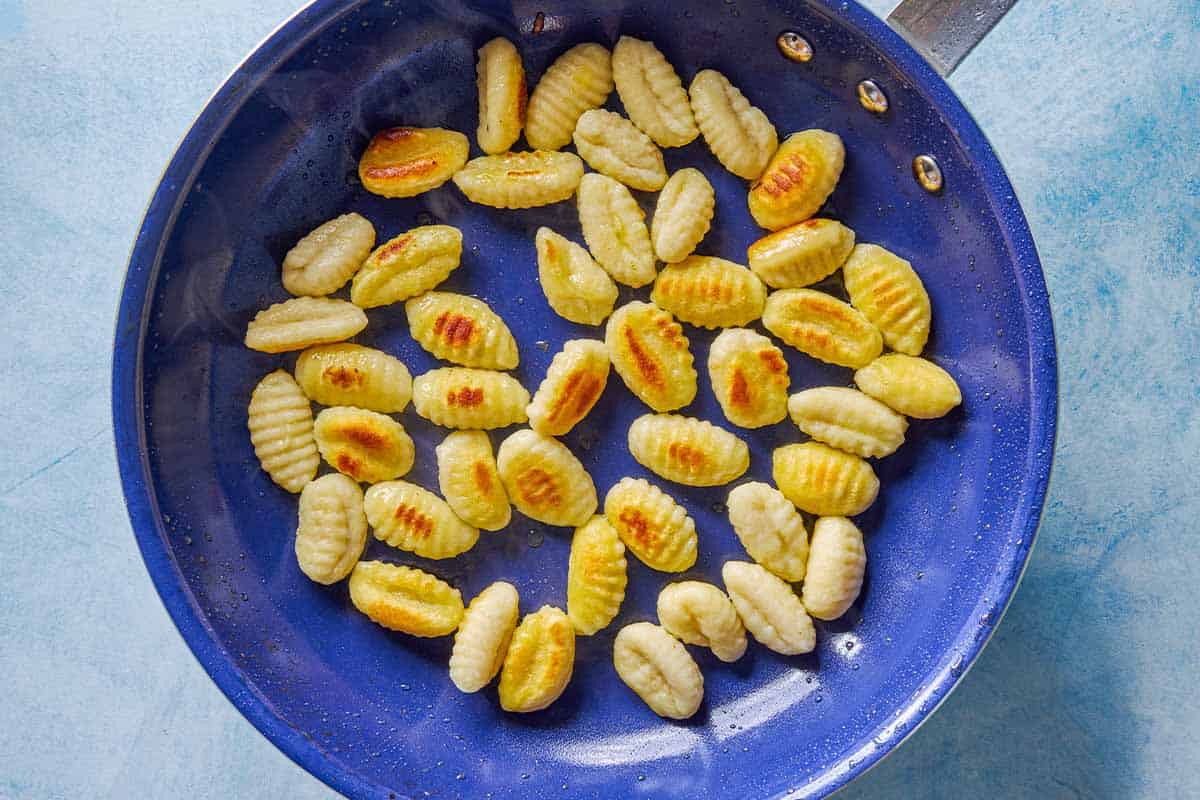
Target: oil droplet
{"x":872,"y":97}
{"x":459,"y":776}
{"x":542,"y":345}
{"x":641,"y":778}
{"x":536,"y":538}
{"x":927,"y":173}
{"x":794,"y":47}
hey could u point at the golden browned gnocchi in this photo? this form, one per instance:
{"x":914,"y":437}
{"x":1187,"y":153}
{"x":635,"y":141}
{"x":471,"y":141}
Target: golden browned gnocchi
{"x":579,"y":79}
{"x":462,"y":330}
{"x":749,"y":377}
{"x":364,"y":445}
{"x":650,"y":353}
{"x":353,"y":375}
{"x":326,"y":258}
{"x":613,"y":146}
{"x":659,"y":669}
{"x":686,"y":450}
{"x":710,"y":292}
{"x":539,"y":661}
{"x":836,"y":564}
{"x":889,"y":292}
{"x":912,"y":386}
{"x":405,"y":162}
{"x":545,"y":481}
{"x":614,"y":228}
{"x":281,"y":429}
{"x":470,"y":399}
{"x":470,"y":481}
{"x":801,"y":254}
{"x":824,"y":481}
{"x":770,"y":528}
{"x":577,"y":288}
{"x":520,"y":180}
{"x":408,"y":265}
{"x":737,"y":133}
{"x":799,"y":178}
{"x":769,"y":609}
{"x":302,"y":322}
{"x":483,"y":636}
{"x":574,"y":382}
{"x":332,"y":530}
{"x":500,"y":77}
{"x":848,"y":420}
{"x":416,"y":520}
{"x":595,"y":576}
{"x":683,"y":215}
{"x":405,"y":599}
{"x":823,"y":327}
{"x":652,"y":525}
{"x":699,"y":613}
{"x":652,"y":93}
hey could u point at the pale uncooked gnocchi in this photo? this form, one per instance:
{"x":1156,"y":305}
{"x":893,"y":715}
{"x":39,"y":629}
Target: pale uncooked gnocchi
{"x":326,"y":258}
{"x":848,"y":419}
{"x":545,"y":481}
{"x":912,"y":386}
{"x":520,"y":180}
{"x":302,"y":322}
{"x":799,"y":178}
{"x":653,"y":95}
{"x":281,"y":429}
{"x":483,"y":636}
{"x":652,"y":356}
{"x":462,"y":330}
{"x":353,"y":375}
{"x":416,"y":520}
{"x":769,"y":609}
{"x":405,"y":599}
{"x":889,"y":292}
{"x":749,"y":377}
{"x":539,"y":661}
{"x":470,"y":481}
{"x":770,"y":528}
{"x":824,"y":481}
{"x":408,"y":265}
{"x":683,"y":215}
{"x":470,"y":399}
{"x":613,"y":146}
{"x":659,"y":669}
{"x":699,"y":613}
{"x":823,"y":327}
{"x":574,"y":382}
{"x":577,"y":288}
{"x":364,"y":445}
{"x":614,"y":228}
{"x":710,"y":292}
{"x":737,"y":133}
{"x":500,"y":77}
{"x":332,"y":530}
{"x":687,"y":450}
{"x":596,"y":576}
{"x":579,"y":79}
{"x":652,"y":525}
{"x":405,"y":162}
{"x":836,"y":564}
{"x":801,"y":254}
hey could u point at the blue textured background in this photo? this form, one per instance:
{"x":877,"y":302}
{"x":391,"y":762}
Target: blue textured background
{"x":1087,"y":688}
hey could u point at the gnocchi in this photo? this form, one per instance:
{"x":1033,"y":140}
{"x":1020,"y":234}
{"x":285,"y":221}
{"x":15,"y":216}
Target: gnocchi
{"x":614,"y":228}
{"x":683,"y":215}
{"x":353,"y":375}
{"x":481,"y":641}
{"x":574,"y":382}
{"x":405,"y":162}
{"x":824,"y":481}
{"x":302,"y":322}
{"x":650,"y":353}
{"x":749,"y":377}
{"x":823,"y":327}
{"x":416,"y":520}
{"x":710,"y":292}
{"x":408,"y":265}
{"x":500,"y":77}
{"x":652,"y":93}
{"x":769,"y":609}
{"x":889,"y":292}
{"x":659,"y":669}
{"x":686,"y":450}
{"x":545,"y":481}
{"x":281,"y":429}
{"x":462,"y":330}
{"x":699,"y":613}
{"x":596,"y":576}
{"x":326,"y":258}
{"x":770,"y":529}
{"x":520,"y":180}
{"x":576,"y":287}
{"x":801,"y":254}
{"x":848,"y":420}
{"x":332,"y":531}
{"x":737,"y":133}
{"x":579,"y":79}
{"x":405,"y":599}
{"x":914,"y":387}
{"x":653,"y":526}
{"x":613,"y":146}
{"x":471,"y":399}
{"x":798,"y":180}
{"x":836,"y":564}
{"x":470,"y":481}
{"x":539,"y":661}
{"x":364,"y":445}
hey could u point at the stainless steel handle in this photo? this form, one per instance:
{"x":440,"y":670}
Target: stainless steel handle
{"x":944,"y":31}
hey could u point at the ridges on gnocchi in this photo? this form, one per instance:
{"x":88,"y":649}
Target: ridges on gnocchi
{"x":280,"y":420}
{"x":544,"y":479}
{"x":576,"y":287}
{"x":500,"y":77}
{"x":332,"y":530}
{"x":613,"y":146}
{"x":481,"y":642}
{"x":596,"y":576}
{"x":353,"y":375}
{"x":749,"y":377}
{"x":406,"y":266}
{"x":823,"y":327}
{"x":302,"y":322}
{"x":889,"y":292}
{"x":699,"y":613}
{"x":683,"y":215}
{"x":824,"y":481}
{"x":539,"y":662}
{"x":798,"y":180}
{"x":687,"y":450}
{"x":912,"y":386}
{"x":416,"y":520}
{"x":471,"y":399}
{"x":652,"y":525}
{"x":470,"y":480}
{"x":650,"y":353}
{"x":462,"y":330}
{"x":837,"y":561}
{"x":801,"y":254}
{"x":405,"y":162}
{"x":652,"y":93}
{"x":328,"y":256}
{"x":659,"y":669}
{"x":848,"y":420}
{"x":520,"y":180}
{"x":364,"y":445}
{"x":405,"y":599}
{"x":737,"y":133}
{"x":770,"y":528}
{"x":574,"y":382}
{"x":769,"y":609}
{"x":710,"y":292}
{"x":579,"y":79}
{"x":614,"y":228}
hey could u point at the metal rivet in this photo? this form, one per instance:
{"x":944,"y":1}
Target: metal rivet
{"x":872,"y":97}
{"x":927,"y":173}
{"x":794,"y":46}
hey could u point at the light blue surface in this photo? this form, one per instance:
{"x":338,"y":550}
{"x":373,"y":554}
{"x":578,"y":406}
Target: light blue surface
{"x":1087,"y":689}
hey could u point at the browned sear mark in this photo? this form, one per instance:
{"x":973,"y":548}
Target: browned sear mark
{"x":364,"y":437}
{"x":394,"y":247}
{"x":686,"y":455}
{"x":773,"y":360}
{"x":539,"y":488}
{"x":398,"y":134}
{"x":647,"y":367}
{"x":638,"y":528}
{"x":739,"y":389}
{"x":789,"y":174}
{"x":344,"y":377}
{"x":348,"y":464}
{"x":407,"y":169}
{"x":454,"y":329}
{"x":576,"y":397}
{"x":466,"y":397}
{"x":418,"y":524}
{"x":483,"y":478}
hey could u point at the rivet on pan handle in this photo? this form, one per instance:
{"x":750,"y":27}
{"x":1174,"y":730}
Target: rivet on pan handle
{"x":944,"y":31}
